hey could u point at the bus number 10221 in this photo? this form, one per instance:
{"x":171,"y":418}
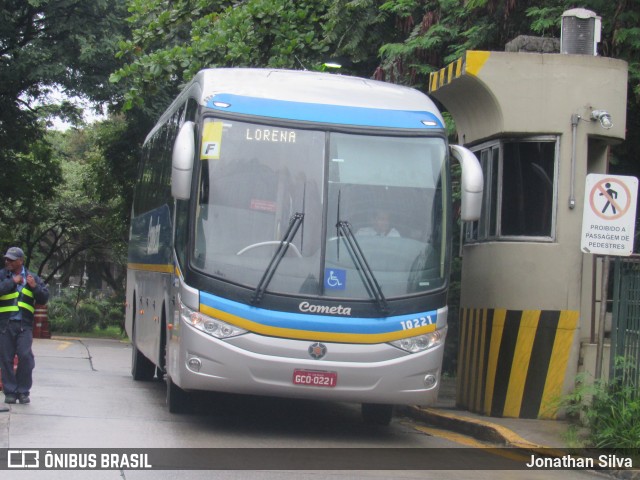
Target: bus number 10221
{"x":415,"y":323}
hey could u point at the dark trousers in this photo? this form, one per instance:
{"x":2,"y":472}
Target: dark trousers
{"x":16,"y":340}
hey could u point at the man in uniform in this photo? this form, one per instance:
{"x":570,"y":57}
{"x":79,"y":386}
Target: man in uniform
{"x":20,"y":291}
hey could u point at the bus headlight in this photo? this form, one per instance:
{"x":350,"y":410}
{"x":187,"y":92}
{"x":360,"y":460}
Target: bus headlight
{"x":212,"y":326}
{"x":421,"y":342}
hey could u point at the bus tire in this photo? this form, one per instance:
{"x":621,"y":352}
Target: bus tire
{"x":377,"y":414}
{"x":161,"y":369}
{"x":178,"y":400}
{"x":142,"y":369}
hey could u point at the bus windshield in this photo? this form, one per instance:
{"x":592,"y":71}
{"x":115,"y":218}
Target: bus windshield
{"x":317,"y":201}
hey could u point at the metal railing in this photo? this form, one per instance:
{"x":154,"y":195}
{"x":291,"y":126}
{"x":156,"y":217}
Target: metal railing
{"x":625,"y":328}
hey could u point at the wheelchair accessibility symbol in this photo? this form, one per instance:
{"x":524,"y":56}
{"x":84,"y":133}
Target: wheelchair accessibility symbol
{"x":335,"y":278}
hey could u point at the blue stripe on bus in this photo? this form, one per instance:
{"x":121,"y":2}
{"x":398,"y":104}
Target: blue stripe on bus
{"x":317,"y":323}
{"x":321,"y":113}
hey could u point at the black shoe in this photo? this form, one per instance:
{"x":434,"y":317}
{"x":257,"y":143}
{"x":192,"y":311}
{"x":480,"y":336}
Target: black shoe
{"x":24,"y":398}
{"x":9,"y":398}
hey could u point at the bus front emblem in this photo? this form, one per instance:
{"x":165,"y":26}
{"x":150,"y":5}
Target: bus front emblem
{"x":317,"y":350}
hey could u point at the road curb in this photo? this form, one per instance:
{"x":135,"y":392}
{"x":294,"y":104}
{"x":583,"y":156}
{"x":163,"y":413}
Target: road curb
{"x":478,"y":429}
{"x":497,"y":435}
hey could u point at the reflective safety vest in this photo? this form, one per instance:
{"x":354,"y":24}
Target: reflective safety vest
{"x":22,"y":301}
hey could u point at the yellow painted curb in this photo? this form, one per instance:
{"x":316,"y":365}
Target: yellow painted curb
{"x":480,"y":429}
{"x":509,"y":437}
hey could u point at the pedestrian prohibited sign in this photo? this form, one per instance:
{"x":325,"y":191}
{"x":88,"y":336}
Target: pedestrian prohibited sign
{"x":608,"y":221}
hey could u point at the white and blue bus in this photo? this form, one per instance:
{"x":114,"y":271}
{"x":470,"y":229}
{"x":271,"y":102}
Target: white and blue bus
{"x":291,"y":236}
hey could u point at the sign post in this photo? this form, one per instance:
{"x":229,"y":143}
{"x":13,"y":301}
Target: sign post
{"x":608,"y":228}
{"x":608,"y":221}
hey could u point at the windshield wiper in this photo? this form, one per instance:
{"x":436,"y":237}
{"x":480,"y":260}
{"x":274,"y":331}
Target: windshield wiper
{"x":369,"y":279}
{"x":289,"y":235}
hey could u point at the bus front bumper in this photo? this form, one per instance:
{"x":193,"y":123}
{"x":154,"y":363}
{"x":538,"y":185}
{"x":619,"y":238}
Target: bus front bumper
{"x":259,"y":365}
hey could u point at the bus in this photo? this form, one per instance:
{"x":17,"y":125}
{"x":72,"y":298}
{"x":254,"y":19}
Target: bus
{"x":291,"y":236}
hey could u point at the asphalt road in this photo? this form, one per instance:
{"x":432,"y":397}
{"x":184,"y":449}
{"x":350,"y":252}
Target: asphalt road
{"x":84,"y":398}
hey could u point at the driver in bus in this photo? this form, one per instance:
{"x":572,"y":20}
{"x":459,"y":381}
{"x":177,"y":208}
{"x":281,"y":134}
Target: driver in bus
{"x":381,"y":226}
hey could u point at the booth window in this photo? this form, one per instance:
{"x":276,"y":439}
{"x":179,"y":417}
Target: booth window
{"x":519,"y":190}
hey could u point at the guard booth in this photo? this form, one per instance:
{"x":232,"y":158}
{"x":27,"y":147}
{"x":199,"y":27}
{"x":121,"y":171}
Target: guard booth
{"x":539,"y":123}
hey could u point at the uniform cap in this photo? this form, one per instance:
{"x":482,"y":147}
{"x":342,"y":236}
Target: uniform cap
{"x":14,"y":253}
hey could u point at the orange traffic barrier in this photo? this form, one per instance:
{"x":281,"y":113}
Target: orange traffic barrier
{"x":41,"y":322}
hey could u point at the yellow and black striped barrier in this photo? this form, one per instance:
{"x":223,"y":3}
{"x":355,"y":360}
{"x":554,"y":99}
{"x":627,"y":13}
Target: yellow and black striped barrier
{"x":469,"y":64}
{"x":512,"y":363}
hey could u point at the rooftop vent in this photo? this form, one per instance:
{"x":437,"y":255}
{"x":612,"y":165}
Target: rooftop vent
{"x":580,"y":32}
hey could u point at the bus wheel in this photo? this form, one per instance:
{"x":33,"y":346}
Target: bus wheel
{"x":142,"y":369}
{"x":377,"y":414}
{"x":178,"y":400}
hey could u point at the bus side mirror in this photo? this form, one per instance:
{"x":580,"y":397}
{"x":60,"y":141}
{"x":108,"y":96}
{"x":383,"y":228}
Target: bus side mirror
{"x":472,"y":183}
{"x":182,"y":162}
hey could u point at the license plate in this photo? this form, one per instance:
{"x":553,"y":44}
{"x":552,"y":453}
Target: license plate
{"x":315,"y":378}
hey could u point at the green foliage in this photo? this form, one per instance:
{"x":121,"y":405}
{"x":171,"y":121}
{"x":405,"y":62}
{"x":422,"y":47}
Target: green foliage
{"x":168,"y":46}
{"x":544,"y":19}
{"x":60,"y":312}
{"x":610,"y":411}
{"x":82,"y":217}
{"x":113,"y":318}
{"x":87,"y":316}
{"x":47,"y":45}
{"x":355,"y":30}
{"x":28,"y":182}
{"x":67,"y":44}
{"x":74,"y":312}
{"x":614,"y":419}
{"x":441,"y":30}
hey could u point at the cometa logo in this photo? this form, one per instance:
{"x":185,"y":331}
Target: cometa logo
{"x":307,"y":307}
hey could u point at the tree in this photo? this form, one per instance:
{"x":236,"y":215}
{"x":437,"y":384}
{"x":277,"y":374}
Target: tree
{"x":87,"y":219}
{"x":28,"y":183}
{"x":170,"y":42}
{"x":45,"y":46}
{"x":65,"y":43}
